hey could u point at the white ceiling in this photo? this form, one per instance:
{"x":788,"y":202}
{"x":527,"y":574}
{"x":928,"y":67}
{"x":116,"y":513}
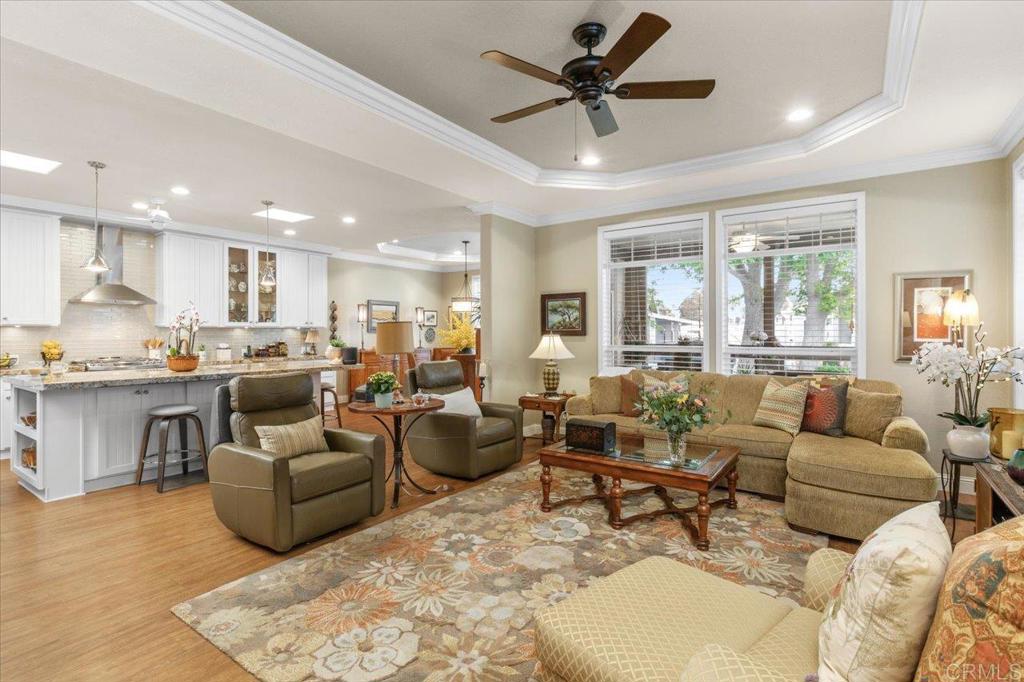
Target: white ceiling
{"x":203,"y":95}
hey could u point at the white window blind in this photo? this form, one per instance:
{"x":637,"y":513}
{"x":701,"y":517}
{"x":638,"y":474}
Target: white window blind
{"x":652,"y":311}
{"x":791,"y":290}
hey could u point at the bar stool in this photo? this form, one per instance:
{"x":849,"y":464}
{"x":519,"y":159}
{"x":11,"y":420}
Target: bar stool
{"x":166,"y":415}
{"x":325,"y":388}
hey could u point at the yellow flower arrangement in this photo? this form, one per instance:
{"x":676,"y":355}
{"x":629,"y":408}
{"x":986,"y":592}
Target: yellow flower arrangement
{"x":460,"y":333}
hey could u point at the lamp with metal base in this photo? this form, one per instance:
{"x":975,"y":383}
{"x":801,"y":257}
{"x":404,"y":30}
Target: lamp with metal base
{"x":551,"y":348}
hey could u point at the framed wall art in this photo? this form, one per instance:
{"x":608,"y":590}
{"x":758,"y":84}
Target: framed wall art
{"x":429,"y":318}
{"x":564,"y":314}
{"x":380,"y":311}
{"x":920,"y":299}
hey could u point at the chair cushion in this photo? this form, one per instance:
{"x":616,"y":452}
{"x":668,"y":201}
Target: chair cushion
{"x":258,"y":393}
{"x":860,"y":466}
{"x":459,"y":402}
{"x":319,"y":473}
{"x":437,"y":375}
{"x":868,"y":414}
{"x":606,"y":394}
{"x":782,"y":407}
{"x":653,"y":632}
{"x":791,"y":647}
{"x":491,"y":430}
{"x":293,"y":439}
{"x":753,"y":440}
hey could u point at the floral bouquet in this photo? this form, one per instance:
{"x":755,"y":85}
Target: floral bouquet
{"x":461,"y":333}
{"x":676,"y":411}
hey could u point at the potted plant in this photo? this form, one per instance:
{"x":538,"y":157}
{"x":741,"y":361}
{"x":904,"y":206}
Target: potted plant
{"x":967,"y":372}
{"x":382,"y":386}
{"x":182,"y":339}
{"x":460,"y":333}
{"x":334,"y":347}
{"x":675,"y":411}
{"x":202,"y":353}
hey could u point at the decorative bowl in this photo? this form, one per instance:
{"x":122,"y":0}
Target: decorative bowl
{"x":182,"y":363}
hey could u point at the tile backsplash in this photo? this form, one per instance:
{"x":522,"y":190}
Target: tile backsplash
{"x":88,"y":331}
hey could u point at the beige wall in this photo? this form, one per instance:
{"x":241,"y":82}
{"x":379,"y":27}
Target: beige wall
{"x":942,"y":219}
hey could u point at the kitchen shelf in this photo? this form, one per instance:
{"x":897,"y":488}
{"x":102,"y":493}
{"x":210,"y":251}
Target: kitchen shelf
{"x":27,"y":431}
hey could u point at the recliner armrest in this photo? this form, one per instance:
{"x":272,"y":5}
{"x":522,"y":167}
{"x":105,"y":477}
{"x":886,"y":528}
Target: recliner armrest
{"x":247,"y":466}
{"x":513,"y":412}
{"x":252,"y":493}
{"x":372,"y":446}
{"x":579,"y":405}
{"x":904,"y":433}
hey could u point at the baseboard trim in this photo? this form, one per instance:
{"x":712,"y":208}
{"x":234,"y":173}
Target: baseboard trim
{"x":966,"y":484}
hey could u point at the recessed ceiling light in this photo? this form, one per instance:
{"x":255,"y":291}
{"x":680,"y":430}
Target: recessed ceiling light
{"x":590,"y":160}
{"x":140,"y":205}
{"x":180,"y":190}
{"x":32,"y":164}
{"x":348,"y":220}
{"x":801,"y":114}
{"x":282,"y":215}
{"x":289,"y":233}
{"x":394,"y":241}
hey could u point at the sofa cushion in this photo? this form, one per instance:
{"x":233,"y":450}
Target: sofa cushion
{"x":491,"y":430}
{"x":623,"y":424}
{"x":869,"y":413}
{"x":630,"y":397}
{"x":782,"y":407}
{"x":791,"y":647}
{"x":717,"y":663}
{"x":606,"y":394}
{"x":877,"y":620}
{"x":742,"y":395}
{"x":293,"y":439}
{"x":979,"y":622}
{"x":320,"y":473}
{"x":753,"y":440}
{"x":645,"y":640}
{"x":699,"y":436}
{"x":825,"y":409}
{"x":859,"y":466}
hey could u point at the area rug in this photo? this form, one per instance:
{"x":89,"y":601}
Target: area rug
{"x":448,"y":591}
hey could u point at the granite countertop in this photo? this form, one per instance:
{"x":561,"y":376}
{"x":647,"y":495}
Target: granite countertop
{"x":205,"y":372}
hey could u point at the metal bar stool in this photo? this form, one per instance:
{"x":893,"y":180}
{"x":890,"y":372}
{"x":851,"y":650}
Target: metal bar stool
{"x":325,"y":388}
{"x":167,"y":415}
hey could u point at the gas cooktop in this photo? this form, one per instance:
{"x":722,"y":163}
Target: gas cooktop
{"x":114,"y":362}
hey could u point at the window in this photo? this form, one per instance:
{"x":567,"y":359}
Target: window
{"x":652,"y":310}
{"x":791,"y":291}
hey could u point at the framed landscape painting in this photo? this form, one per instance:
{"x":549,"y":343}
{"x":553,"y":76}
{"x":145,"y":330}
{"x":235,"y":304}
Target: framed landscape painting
{"x":380,"y":311}
{"x":564,"y":314}
{"x":920,"y":299}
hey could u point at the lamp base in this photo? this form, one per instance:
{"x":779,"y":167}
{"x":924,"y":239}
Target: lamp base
{"x":551,"y":378}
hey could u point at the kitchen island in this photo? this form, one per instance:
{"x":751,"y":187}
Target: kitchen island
{"x":88,"y":425}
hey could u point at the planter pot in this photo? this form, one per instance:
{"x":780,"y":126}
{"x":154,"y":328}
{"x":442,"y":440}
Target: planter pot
{"x":968,"y":441}
{"x":1015,"y":467}
{"x":202,"y":356}
{"x":182,"y":363}
{"x":333,"y":352}
{"x":383,"y":400}
{"x":349,"y":355}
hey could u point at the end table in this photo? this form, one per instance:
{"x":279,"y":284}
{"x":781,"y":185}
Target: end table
{"x":949,"y":477}
{"x":551,"y":408}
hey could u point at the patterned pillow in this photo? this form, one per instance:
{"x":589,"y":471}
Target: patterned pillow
{"x":825,"y":411}
{"x":979,"y":622}
{"x":299,"y":438}
{"x":630,"y":397}
{"x":877,"y":620}
{"x":782,"y":407}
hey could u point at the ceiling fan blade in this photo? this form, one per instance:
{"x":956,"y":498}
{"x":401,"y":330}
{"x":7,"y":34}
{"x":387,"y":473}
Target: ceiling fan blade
{"x":516,"y":64}
{"x":601,"y":118}
{"x":637,"y":39}
{"x":527,"y":111}
{"x":665,"y":90}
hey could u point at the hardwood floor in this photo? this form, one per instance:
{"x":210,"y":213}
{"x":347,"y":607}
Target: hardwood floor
{"x":86,"y":584}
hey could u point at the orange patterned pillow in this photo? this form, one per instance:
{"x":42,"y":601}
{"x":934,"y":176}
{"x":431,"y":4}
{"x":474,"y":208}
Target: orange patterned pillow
{"x":978,"y":631}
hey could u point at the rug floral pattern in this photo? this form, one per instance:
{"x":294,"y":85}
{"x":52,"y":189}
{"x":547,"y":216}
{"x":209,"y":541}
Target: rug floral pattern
{"x":448,"y":591}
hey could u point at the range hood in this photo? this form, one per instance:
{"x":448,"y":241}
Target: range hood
{"x":109,"y":289}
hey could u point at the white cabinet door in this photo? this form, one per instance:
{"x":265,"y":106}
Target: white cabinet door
{"x":121,"y":413}
{"x":29,"y":268}
{"x":317,"y":290}
{"x":6,"y":416}
{"x":176,"y":275}
{"x":209,"y":281}
{"x":293,"y":285}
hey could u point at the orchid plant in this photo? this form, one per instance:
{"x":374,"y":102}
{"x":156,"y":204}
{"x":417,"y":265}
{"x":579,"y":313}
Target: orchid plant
{"x":968,"y":372}
{"x":182,"y":336}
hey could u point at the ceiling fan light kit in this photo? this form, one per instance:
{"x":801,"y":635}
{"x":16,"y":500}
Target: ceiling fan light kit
{"x":591,"y":78}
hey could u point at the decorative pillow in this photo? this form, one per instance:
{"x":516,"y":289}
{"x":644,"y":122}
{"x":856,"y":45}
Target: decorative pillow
{"x":299,"y":438}
{"x":979,"y":622}
{"x":630,"y":397}
{"x":868,"y":414}
{"x":825,"y":411}
{"x":877,"y":620}
{"x":782,"y":407}
{"x":606,"y":394}
{"x":460,"y":402}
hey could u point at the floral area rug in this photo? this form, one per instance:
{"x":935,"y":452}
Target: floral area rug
{"x":448,"y":591}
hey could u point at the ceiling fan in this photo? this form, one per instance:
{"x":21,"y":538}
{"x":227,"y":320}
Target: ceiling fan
{"x":590,"y":78}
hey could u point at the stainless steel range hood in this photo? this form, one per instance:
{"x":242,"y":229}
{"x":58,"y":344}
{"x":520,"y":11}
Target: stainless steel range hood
{"x":109,"y":289}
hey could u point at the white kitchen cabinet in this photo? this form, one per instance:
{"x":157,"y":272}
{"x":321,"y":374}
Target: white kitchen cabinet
{"x":121,"y":413}
{"x":188,"y":271}
{"x":6,"y":418}
{"x":29,"y":268}
{"x":303,"y":289}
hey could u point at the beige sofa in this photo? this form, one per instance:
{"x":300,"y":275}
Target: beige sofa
{"x":842,"y":486}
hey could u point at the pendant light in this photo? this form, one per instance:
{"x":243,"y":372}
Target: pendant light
{"x":267,"y":279}
{"x":96,"y":262}
{"x":466,"y":302}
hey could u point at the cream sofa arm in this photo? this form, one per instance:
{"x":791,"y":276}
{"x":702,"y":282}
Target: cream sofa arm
{"x":904,"y":433}
{"x":579,"y":405}
{"x":824,"y":569}
{"x":715,"y":663}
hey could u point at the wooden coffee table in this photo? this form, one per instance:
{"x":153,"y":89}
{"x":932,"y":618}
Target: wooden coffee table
{"x":631,"y":463}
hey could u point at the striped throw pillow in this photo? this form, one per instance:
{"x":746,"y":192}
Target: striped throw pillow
{"x":782,"y":407}
{"x":299,"y":438}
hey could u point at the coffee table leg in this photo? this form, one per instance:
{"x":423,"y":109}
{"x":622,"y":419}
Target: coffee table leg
{"x":545,"y":486}
{"x":615,"y":504}
{"x":732,"y":477}
{"x":703,"y":513}
{"x":598,"y":483}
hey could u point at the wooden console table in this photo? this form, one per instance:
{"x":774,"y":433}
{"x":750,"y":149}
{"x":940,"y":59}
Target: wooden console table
{"x":998,"y":496}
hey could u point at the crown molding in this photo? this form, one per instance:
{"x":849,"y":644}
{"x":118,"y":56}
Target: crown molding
{"x":1012,"y":130}
{"x":240,"y":31}
{"x":391,"y":249}
{"x":505,"y":211}
{"x":392,"y":262}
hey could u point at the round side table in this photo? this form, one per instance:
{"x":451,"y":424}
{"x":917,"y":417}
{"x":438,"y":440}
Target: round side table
{"x":949,"y":477}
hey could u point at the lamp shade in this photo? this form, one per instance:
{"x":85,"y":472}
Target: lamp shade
{"x":551,"y":347}
{"x":961,"y":309}
{"x":361,"y":313}
{"x":394,"y":338}
{"x":420,"y":314}
{"x":313,"y":336}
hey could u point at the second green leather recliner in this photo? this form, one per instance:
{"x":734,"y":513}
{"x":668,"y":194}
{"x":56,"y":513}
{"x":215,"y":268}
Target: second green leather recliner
{"x":459,"y":445}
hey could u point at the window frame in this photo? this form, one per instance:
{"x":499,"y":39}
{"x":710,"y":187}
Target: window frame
{"x":644,"y":227}
{"x":783,"y":208}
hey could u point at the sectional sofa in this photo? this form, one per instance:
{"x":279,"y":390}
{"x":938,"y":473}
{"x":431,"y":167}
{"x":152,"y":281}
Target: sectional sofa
{"x":845,"y":486}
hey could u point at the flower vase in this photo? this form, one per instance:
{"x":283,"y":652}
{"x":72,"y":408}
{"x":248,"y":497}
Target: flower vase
{"x":968,"y":441}
{"x":383,"y":400}
{"x":1015,"y":467}
{"x":676,"y":448}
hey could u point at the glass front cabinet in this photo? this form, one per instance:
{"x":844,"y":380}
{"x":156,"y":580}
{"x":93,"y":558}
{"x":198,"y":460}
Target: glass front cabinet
{"x":266,"y":296}
{"x":238,"y":263}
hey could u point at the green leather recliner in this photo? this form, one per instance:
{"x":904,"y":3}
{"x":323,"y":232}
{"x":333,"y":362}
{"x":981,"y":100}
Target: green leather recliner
{"x":458,"y":445}
{"x":280,"y":501}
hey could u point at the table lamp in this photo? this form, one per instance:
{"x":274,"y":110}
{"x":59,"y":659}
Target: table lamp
{"x":961,"y":310}
{"x":394,"y":338}
{"x":551,"y":349}
{"x":309,"y":343}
